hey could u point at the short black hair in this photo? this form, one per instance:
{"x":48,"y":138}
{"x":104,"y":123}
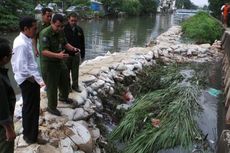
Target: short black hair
{"x":26,"y":22}
{"x":57,"y":17}
{"x":5,"y":48}
{"x":72,"y":14}
{"x":46,"y":9}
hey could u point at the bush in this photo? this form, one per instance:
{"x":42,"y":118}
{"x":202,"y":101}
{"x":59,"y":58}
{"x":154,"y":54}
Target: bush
{"x":132,"y":7}
{"x":202,"y":28}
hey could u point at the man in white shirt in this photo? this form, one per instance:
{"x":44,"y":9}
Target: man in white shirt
{"x":28,"y":78}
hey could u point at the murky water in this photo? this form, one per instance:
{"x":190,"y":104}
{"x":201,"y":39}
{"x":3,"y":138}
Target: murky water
{"x":120,"y":34}
{"x":115,"y":35}
{"x":210,"y":120}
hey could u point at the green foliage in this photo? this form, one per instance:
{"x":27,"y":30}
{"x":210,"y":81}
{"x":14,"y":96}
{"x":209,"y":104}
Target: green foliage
{"x":202,"y":28}
{"x":132,"y":7}
{"x":148,"y":6}
{"x":7,"y":19}
{"x":133,"y":120}
{"x":214,"y":6}
{"x":110,"y":6}
{"x":81,"y":2}
{"x":185,"y":4}
{"x":175,"y":106}
{"x":156,"y":77}
{"x":11,"y":10}
{"x":174,"y":103}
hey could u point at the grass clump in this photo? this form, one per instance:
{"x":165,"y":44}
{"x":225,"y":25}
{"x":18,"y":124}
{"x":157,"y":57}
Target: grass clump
{"x":167,"y":93}
{"x":155,"y":77}
{"x":202,"y":28}
{"x":176,"y":107}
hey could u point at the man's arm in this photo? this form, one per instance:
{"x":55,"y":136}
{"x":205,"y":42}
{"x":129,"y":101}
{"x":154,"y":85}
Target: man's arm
{"x":45,"y":46}
{"x":10,"y":133}
{"x":72,"y":48}
{"x":5,"y":117}
{"x":60,"y":55}
{"x":34,"y":42}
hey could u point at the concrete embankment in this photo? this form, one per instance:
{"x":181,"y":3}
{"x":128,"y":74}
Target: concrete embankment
{"x":76,"y":130}
{"x":225,"y":136}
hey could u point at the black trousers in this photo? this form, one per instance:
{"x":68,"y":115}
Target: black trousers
{"x":30,"y":109}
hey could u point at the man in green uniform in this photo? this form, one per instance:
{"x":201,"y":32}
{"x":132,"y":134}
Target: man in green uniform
{"x":45,"y":22}
{"x":54,"y":70}
{"x":75,"y":37}
{"x":7,"y":102}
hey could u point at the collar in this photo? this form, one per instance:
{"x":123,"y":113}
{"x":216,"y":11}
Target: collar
{"x":43,"y":23}
{"x":25,"y":37}
{"x":69,"y":27}
{"x":51,"y":31}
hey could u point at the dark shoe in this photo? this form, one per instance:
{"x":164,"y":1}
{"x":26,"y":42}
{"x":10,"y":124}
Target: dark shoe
{"x":28,"y":140}
{"x":38,"y":141}
{"x":41,"y":141}
{"x":54,"y":111}
{"x":67,"y":101}
{"x":77,"y":89}
{"x":70,"y":89}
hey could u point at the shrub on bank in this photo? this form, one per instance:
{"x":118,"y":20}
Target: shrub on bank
{"x":202,"y":28}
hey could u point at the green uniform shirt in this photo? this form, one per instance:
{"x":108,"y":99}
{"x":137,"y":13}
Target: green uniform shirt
{"x":40,"y":26}
{"x":52,"y":41}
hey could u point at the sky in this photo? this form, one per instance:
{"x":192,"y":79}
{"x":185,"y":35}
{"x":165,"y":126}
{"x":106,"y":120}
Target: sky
{"x":200,"y":2}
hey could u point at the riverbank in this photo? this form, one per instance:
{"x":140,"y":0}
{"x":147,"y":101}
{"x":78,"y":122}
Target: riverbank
{"x":76,"y":129}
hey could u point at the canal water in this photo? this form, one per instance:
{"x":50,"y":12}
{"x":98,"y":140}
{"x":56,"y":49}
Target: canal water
{"x":115,"y":35}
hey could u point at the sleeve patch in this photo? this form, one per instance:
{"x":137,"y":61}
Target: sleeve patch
{"x":44,"y":39}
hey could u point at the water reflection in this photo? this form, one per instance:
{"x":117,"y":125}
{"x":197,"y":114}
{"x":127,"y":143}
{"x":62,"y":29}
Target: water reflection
{"x":120,"y":34}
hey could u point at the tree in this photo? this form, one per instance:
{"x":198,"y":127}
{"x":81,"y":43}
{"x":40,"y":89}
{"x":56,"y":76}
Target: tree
{"x":214,"y":6}
{"x":132,"y":7}
{"x":81,"y":2}
{"x":11,"y":10}
{"x":148,"y":6}
{"x":185,"y":4}
{"x":111,"y":6}
{"x":205,"y":7}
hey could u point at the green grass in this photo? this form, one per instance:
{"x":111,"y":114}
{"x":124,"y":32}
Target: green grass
{"x":160,"y":94}
{"x":202,"y":28}
{"x":176,"y":107}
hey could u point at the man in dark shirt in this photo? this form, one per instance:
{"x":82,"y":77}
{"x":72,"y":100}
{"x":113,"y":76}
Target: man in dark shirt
{"x":75,"y":36}
{"x":7,"y":101}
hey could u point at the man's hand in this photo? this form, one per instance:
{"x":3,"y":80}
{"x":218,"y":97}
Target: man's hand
{"x":10,"y":133}
{"x":36,"y":52}
{"x":62,"y":55}
{"x":76,"y":50}
{"x":42,"y":84}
